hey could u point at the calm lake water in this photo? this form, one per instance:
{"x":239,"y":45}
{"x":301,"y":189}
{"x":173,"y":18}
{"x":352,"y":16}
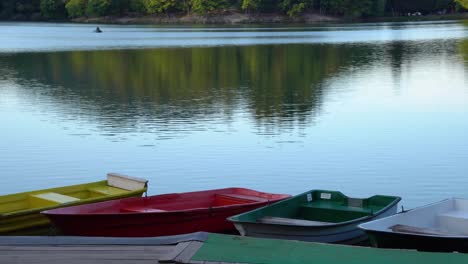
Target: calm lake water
{"x":362,"y":108}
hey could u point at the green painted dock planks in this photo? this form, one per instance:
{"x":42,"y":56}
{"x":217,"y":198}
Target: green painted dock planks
{"x":234,"y":249}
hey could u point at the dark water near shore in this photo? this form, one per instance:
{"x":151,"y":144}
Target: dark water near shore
{"x":365,"y":108}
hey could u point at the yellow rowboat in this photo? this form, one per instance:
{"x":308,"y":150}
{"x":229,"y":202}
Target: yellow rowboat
{"x":20,"y":212}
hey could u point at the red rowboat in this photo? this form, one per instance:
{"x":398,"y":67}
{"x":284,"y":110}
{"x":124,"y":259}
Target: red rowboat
{"x":160,"y":215}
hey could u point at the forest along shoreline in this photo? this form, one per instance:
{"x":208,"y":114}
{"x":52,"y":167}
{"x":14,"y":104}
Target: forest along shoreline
{"x":238,"y":18}
{"x":230,"y":11}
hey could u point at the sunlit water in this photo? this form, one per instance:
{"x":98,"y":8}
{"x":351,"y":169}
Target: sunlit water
{"x":365,"y":108}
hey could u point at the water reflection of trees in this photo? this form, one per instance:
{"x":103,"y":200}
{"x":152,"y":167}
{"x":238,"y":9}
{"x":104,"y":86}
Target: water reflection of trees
{"x":275,"y":84}
{"x":463,"y":49}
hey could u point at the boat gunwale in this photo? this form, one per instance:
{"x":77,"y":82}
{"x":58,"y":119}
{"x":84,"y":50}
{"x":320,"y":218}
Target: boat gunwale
{"x":367,"y":230}
{"x":331,"y":225}
{"x":181,"y":211}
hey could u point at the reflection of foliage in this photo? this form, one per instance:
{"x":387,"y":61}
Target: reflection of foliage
{"x":277,"y":83}
{"x":463,"y":48}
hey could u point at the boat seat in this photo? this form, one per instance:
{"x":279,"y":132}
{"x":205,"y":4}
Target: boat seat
{"x":338,"y":207}
{"x":455,"y":221}
{"x":140,"y":209}
{"x":291,"y":221}
{"x":50,"y":199}
{"x":105,"y":190}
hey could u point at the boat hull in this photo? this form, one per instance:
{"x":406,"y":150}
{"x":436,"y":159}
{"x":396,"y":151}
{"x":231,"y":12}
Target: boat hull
{"x":408,"y":241}
{"x":343,"y":234}
{"x":316,"y":216}
{"x":146,"y":225}
{"x":173,"y":220}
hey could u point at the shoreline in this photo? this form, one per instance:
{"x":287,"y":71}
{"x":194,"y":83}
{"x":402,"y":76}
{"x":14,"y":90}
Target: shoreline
{"x":224,"y":18}
{"x":236,"y":18}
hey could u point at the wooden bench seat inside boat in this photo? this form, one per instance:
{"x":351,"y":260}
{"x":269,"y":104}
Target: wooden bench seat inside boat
{"x":105,"y":190}
{"x":140,"y":209}
{"x":230,"y":199}
{"x":50,"y":199}
{"x":290,"y":221}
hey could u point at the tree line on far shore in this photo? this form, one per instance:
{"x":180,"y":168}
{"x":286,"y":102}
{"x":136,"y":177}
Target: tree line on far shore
{"x":66,"y":9}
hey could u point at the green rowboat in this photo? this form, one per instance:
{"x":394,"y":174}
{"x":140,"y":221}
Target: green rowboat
{"x":20,"y":212}
{"x":316,"y":216}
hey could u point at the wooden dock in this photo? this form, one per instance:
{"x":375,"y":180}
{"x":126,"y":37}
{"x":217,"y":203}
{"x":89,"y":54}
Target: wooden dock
{"x":203,"y":248}
{"x":115,"y":254}
{"x":84,"y":250}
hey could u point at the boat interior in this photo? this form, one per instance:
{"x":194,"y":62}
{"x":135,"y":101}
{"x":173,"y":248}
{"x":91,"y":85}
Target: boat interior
{"x":445,"y":218}
{"x":51,"y":197}
{"x":115,"y":185}
{"x":181,"y":202}
{"x":317,"y":208}
{"x":176,"y":202}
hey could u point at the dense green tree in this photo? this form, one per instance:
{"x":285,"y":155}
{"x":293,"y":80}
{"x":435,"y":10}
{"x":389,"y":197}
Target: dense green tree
{"x":159,"y":6}
{"x":205,"y":6}
{"x":22,"y":10}
{"x":136,"y":6}
{"x":250,"y":5}
{"x":424,"y":6}
{"x":259,"y":5}
{"x":120,"y":6}
{"x":378,"y":8}
{"x":76,"y":8}
{"x":352,"y":8}
{"x":359,"y":8}
{"x":294,"y":7}
{"x":98,"y":7}
{"x":53,"y":9}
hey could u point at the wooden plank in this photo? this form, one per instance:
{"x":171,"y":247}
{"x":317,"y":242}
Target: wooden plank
{"x":169,"y":257}
{"x":419,"y":230}
{"x":291,"y":221}
{"x":56,"y":197}
{"x":188,"y":252}
{"x":50,"y":199}
{"x":83,"y":254}
{"x":73,"y":240}
{"x":126,"y":182}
